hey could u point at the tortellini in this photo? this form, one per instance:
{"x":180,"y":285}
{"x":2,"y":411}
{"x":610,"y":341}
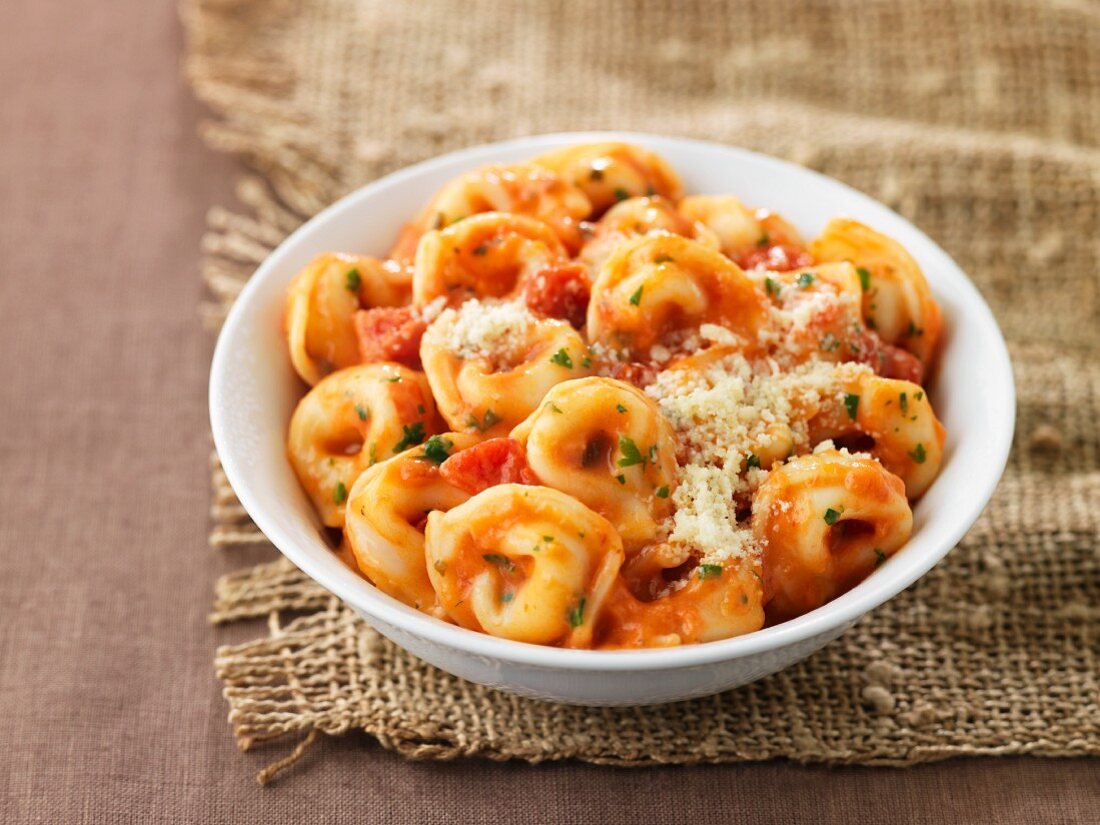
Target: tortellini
{"x":642,"y":420}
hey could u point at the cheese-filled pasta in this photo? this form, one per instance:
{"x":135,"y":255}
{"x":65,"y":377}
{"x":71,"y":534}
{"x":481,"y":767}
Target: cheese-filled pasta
{"x":667,"y":597}
{"x":639,"y":216}
{"x":350,"y":420}
{"x":522,"y":562}
{"x":891,"y":419}
{"x":490,"y":364}
{"x":606,"y":444}
{"x":486,"y":255}
{"x":529,"y":190}
{"x":826,"y":521}
{"x":385,"y":517}
{"x":577,"y":408}
{"x":321,"y":305}
{"x":656,"y":287}
{"x":897,"y":301}
{"x":611,"y":172}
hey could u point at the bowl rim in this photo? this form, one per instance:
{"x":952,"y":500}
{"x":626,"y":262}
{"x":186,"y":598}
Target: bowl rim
{"x":835,"y":615}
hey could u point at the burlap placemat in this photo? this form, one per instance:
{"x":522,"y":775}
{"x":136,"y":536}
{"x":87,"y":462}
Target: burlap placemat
{"x":976,"y":120}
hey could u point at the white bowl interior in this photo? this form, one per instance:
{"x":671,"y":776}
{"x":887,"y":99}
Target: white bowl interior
{"x":253,"y":389}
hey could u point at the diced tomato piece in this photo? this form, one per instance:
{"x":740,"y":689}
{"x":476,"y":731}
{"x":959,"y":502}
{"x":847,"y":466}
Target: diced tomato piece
{"x":886,"y":359}
{"x":390,"y":334}
{"x":559,"y":292}
{"x":634,"y":372}
{"x":492,"y":462}
{"x":780,"y":257}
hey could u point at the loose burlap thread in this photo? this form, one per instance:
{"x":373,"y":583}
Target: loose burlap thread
{"x":976,"y":120}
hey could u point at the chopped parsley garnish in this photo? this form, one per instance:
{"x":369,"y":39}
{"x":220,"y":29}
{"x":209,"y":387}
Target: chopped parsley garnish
{"x":864,"y":277}
{"x":437,"y":449}
{"x":652,"y":452}
{"x":361,"y":412}
{"x":903,"y":400}
{"x":481,"y":250}
{"x":772,"y":287}
{"x":576,"y":615}
{"x":918,"y":395}
{"x":918,"y":454}
{"x":631,"y":454}
{"x":805,"y":279}
{"x":621,"y":478}
{"x":831,"y":516}
{"x":340,"y":494}
{"x":413,"y":435}
{"x":562,"y":359}
{"x":662,"y":492}
{"x":763,"y":240}
{"x":595,"y":174}
{"x":373,"y":454}
{"x":851,"y":404}
{"x":507,"y":597}
{"x":636,"y":298}
{"x":586,"y":362}
{"x":880,"y":557}
{"x":488,"y":420}
{"x":709,"y":571}
{"x":502,"y":562}
{"x":395,"y":380}
{"x":554,"y":407}
{"x":620,"y":408}
{"x":621,"y":194}
{"x":914,"y":330}
{"x":829,"y":342}
{"x":752,"y":461}
{"x":663,"y":259}
{"x":352,"y":280}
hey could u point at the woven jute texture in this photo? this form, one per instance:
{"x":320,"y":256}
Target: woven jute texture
{"x":979,"y":121}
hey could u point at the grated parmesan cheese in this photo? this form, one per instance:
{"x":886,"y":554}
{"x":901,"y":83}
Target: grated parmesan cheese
{"x":498,"y":331}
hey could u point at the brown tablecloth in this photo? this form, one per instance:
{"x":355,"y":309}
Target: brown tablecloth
{"x":110,"y":707}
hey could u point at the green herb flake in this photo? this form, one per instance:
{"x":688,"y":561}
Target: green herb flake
{"x":373,"y":454}
{"x":864,"y":277}
{"x":620,"y":408}
{"x":554,"y":408}
{"x":631,"y":454}
{"x":413,"y":435}
{"x":395,"y":380}
{"x":586,"y":362}
{"x":576,"y":615}
{"x":562,"y":359}
{"x":353,"y":280}
{"x":636,"y":298}
{"x":361,"y":412}
{"x":752,"y":461}
{"x":772,"y":287}
{"x":903,"y":400}
{"x":662,"y":492}
{"x":709,"y":571}
{"x":506,"y":597}
{"x":548,"y":539}
{"x":621,"y":478}
{"x":914,"y":331}
{"x":437,"y":449}
{"x":880,"y":557}
{"x":851,"y":404}
{"x":595,"y":174}
{"x":763,"y":240}
{"x":918,"y":454}
{"x":663,"y":259}
{"x":502,"y":562}
{"x":481,"y":249}
{"x":621,"y":194}
{"x":805,"y":279}
{"x":490,"y":418}
{"x":829,"y":342}
{"x":831,"y":516}
{"x":340,"y":494}
{"x":919,"y":396}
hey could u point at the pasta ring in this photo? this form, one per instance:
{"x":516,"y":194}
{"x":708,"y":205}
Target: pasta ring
{"x":741,"y":232}
{"x":898,"y":302}
{"x":605,"y":443}
{"x":526,"y":563}
{"x":660,"y":284}
{"x":611,"y":172}
{"x":896,"y":417}
{"x":350,"y":420}
{"x":826,"y":520}
{"x":526,"y":190}
{"x":703,"y":603}
{"x":491,"y":395}
{"x":487,"y":255}
{"x":321,"y":304}
{"x":385,"y":515}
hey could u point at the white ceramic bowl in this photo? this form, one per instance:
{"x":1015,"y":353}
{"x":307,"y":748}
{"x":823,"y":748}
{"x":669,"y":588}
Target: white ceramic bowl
{"x":253,"y":391}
